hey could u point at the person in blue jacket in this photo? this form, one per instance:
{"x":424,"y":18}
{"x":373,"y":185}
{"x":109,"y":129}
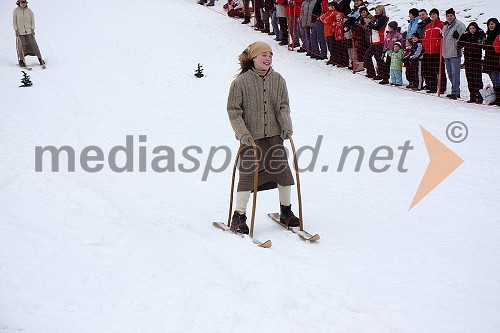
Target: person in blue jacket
{"x":412,"y":24}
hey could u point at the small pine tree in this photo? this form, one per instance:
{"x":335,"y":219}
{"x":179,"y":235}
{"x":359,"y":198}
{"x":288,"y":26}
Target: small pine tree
{"x":26,"y":81}
{"x":199,"y":72}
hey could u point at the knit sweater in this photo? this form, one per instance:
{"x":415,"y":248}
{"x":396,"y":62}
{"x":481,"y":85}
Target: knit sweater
{"x":259,"y":105}
{"x":23,"y":21}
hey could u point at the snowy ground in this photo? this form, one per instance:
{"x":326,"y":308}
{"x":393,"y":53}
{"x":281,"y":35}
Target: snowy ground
{"x":136,"y":252}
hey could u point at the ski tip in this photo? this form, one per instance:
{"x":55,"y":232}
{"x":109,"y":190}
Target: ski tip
{"x":267,"y":244}
{"x":312,"y":238}
{"x":307,"y":236}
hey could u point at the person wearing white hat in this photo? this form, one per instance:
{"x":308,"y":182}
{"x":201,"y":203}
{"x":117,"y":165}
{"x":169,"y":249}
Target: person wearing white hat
{"x":396,"y":69}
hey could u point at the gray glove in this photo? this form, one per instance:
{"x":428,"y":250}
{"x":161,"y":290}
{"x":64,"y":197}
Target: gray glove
{"x":245,"y":139}
{"x":17,"y":33}
{"x":33,"y":32}
{"x":284,"y":134}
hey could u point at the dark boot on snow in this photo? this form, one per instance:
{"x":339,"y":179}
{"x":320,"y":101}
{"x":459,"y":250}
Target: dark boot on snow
{"x":239,"y":223}
{"x":288,"y":218}
{"x":479,"y":98}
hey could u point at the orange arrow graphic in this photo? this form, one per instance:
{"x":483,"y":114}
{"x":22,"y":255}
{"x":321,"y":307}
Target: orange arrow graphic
{"x":442,"y":163}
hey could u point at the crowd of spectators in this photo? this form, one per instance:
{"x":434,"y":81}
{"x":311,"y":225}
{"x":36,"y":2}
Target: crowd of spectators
{"x":347,"y":33}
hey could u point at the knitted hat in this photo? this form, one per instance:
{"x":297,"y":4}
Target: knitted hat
{"x":450,"y":11}
{"x":251,"y":52}
{"x":393,"y":25}
{"x":256,"y":48}
{"x":435,"y":11}
{"x":416,"y":34}
{"x":363,"y":9}
{"x":398,"y":43}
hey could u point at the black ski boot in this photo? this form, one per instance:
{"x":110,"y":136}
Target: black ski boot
{"x":288,"y":218}
{"x":246,"y":20}
{"x":22,"y":63}
{"x":239,"y":223}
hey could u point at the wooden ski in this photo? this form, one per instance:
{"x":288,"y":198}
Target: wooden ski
{"x":267,"y":244}
{"x":296,"y":230}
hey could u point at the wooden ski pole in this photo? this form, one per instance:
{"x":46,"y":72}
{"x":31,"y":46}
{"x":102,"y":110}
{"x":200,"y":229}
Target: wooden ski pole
{"x":296,"y":165}
{"x":232,"y":186}
{"x":354,"y":59}
{"x":440,"y":69}
{"x":19,"y":46}
{"x":255,"y":186}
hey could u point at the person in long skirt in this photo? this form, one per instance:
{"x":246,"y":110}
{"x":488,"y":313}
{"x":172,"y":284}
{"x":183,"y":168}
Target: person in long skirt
{"x":259,"y":112}
{"x":23,"y":22}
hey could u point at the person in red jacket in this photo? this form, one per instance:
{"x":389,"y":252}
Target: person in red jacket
{"x":293,"y":14}
{"x":496,"y":44}
{"x":431,"y":41}
{"x":341,"y":58}
{"x":328,"y":18}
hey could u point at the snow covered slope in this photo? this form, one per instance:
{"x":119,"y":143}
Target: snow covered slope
{"x":136,"y":251}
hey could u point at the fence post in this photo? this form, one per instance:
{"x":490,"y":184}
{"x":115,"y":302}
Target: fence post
{"x":440,"y":69}
{"x":354,"y":57}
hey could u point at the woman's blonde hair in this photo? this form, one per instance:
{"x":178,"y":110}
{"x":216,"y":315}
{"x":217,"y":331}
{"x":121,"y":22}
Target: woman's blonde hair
{"x":381,"y":8}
